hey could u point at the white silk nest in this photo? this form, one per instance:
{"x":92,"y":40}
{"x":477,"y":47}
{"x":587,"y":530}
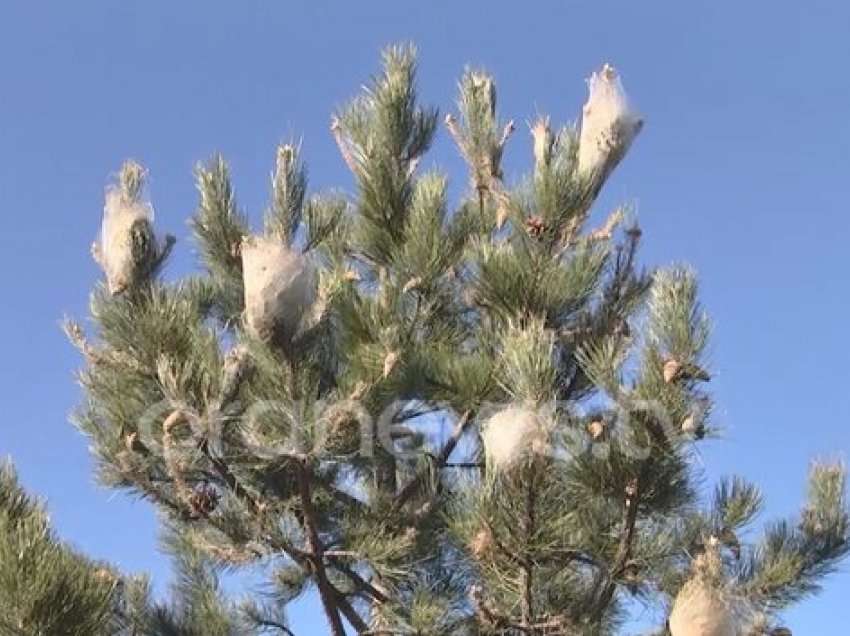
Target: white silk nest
{"x":513,"y":434}
{"x":609,"y":124}
{"x":701,"y":610}
{"x":705,"y":606}
{"x":280,"y":287}
{"x":116,"y":241}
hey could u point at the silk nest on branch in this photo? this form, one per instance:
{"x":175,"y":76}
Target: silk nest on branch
{"x":280,"y":287}
{"x":609,"y":124}
{"x":705,"y":606}
{"x":512,"y":435}
{"x":127,"y":246}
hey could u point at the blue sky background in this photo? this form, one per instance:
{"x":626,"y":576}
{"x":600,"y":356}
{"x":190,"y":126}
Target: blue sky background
{"x":742,"y":170}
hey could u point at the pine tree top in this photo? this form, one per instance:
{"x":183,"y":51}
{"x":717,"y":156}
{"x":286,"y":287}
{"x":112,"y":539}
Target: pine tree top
{"x":446,"y":417}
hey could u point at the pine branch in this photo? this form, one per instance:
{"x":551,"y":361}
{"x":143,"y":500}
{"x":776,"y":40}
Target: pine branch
{"x":349,"y":612}
{"x":330,"y":601}
{"x":219,"y":229}
{"x":359,"y":582}
{"x":289,"y":186}
{"x":413,"y":487}
{"x":624,"y":548}
{"x":45,"y":586}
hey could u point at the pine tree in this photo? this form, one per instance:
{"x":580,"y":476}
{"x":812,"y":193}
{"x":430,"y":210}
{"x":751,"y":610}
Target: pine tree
{"x":45,"y":586}
{"x":49,"y":589}
{"x":470,"y":419}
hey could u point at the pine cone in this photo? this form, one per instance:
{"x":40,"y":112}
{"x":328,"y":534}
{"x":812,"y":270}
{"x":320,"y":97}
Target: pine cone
{"x":412,"y":284}
{"x":632,"y":576}
{"x":203,"y":500}
{"x":689,"y":425}
{"x":675,"y":371}
{"x":535,"y":226}
{"x":390,"y":361}
{"x":596,"y":429}
{"x":481,"y":542}
{"x":671,"y":370}
{"x":134,"y":444}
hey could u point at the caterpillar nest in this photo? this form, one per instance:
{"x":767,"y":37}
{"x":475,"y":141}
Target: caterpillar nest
{"x":280,"y":287}
{"x":127,"y":248}
{"x":513,"y":434}
{"x":704,"y":607}
{"x":609,"y":124}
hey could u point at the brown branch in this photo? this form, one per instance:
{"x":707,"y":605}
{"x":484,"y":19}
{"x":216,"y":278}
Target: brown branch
{"x":315,"y":555}
{"x":488,"y":615}
{"x":349,"y":612}
{"x":359,"y":582}
{"x":158,"y":497}
{"x":313,"y":560}
{"x":624,"y":549}
{"x":485,"y":612}
{"x":363,"y":587}
{"x":554,"y":626}
{"x":333,"y":600}
{"x":177,"y":418}
{"x":412,"y":488}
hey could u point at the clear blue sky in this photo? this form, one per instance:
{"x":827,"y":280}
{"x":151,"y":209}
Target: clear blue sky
{"x":742,"y":169}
